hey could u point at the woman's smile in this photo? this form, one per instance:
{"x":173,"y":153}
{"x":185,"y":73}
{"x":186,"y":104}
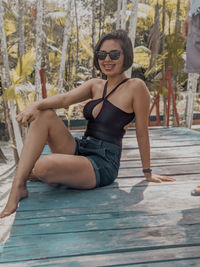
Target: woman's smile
{"x":109,"y":66}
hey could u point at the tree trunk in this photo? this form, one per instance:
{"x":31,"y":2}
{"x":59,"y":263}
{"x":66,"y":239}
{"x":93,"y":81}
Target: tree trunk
{"x":77,"y":37}
{"x":93,"y":31}
{"x":178,"y":24}
{"x":163,"y":61}
{"x":100,"y":18}
{"x":38,"y":48}
{"x":123,"y":17}
{"x":17,"y":139}
{"x":64,"y":49}
{"x":154,"y":37}
{"x":132,"y":29}
{"x":21,"y":27}
{"x":119,"y":6}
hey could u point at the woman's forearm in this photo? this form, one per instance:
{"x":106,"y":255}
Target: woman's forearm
{"x":53,"y":102}
{"x":144,"y":148}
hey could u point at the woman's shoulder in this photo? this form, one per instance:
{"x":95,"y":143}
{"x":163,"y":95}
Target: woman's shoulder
{"x":97,"y":81}
{"x":97,"y":84}
{"x":136,"y":82}
{"x":136,"y":85}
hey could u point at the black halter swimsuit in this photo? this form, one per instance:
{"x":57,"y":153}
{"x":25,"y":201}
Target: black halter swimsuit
{"x":110,"y":121}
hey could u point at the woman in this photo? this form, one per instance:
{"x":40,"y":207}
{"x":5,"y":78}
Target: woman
{"x":92,"y":161}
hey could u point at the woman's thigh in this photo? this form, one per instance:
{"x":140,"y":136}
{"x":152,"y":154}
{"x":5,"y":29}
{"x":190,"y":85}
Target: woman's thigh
{"x":60,"y":140}
{"x":74,"y":171}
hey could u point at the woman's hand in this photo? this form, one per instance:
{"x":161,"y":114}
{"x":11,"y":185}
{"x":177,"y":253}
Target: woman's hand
{"x":150,"y":177}
{"x":27,"y":115}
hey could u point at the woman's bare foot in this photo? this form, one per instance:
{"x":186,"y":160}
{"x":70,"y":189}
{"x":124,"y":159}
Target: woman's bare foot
{"x":17,"y":193}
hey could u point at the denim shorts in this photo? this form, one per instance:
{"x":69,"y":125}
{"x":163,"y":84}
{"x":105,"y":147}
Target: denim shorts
{"x":104,"y":156}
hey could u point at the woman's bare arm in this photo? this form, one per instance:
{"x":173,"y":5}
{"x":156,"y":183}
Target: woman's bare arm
{"x":141,"y":104}
{"x":79,"y":94}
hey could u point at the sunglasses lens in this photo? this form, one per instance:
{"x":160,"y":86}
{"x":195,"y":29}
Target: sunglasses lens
{"x":101,"y":55}
{"x":114,"y":55}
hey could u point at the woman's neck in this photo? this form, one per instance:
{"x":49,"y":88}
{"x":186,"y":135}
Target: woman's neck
{"x":114,"y":80}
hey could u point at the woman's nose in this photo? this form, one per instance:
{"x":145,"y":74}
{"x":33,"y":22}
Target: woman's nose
{"x":107,"y":57}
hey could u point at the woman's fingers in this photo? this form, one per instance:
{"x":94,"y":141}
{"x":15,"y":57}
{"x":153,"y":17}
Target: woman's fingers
{"x":23,"y":118}
{"x":159,"y":179}
{"x":167,"y":179}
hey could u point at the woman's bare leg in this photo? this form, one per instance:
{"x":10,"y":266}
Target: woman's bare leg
{"x":74,"y":171}
{"x":46,"y":127}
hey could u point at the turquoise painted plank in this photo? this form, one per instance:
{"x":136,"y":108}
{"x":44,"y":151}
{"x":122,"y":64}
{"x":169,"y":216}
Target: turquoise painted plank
{"x":102,"y":222}
{"x":112,"y":198}
{"x":172,"y":263}
{"x":119,"y":183}
{"x":128,"y":195}
{"x":71,"y":244}
{"x":175,"y":256}
{"x":74,"y":214}
{"x":51,"y":215}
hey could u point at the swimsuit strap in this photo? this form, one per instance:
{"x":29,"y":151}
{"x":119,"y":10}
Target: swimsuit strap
{"x":106,"y":85}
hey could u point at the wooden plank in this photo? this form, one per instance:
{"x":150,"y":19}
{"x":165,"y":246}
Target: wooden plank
{"x":101,"y":221}
{"x":131,"y":222}
{"x":163,"y":170}
{"x":160,"y":162}
{"x":95,"y":242}
{"x":181,"y":256}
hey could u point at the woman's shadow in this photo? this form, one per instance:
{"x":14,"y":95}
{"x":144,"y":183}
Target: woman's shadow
{"x":113,"y":197}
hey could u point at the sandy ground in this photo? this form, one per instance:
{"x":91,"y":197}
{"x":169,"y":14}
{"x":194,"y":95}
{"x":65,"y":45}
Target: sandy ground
{"x":6,"y":176}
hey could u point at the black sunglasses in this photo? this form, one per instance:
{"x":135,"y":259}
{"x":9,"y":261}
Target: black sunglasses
{"x":114,"y":54}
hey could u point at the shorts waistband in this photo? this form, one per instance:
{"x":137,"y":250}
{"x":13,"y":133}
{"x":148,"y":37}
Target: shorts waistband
{"x":103,"y":143}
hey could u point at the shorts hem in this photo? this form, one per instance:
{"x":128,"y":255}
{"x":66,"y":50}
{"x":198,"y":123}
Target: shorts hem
{"x":96,"y":170}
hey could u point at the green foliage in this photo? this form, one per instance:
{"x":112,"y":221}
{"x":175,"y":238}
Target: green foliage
{"x":105,"y":19}
{"x":10,"y":26}
{"x":25,"y":67}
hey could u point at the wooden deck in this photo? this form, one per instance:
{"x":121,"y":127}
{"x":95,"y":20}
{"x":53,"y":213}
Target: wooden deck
{"x":129,"y":223}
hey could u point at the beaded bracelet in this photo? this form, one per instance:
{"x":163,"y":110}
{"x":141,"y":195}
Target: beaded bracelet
{"x":147,"y":170}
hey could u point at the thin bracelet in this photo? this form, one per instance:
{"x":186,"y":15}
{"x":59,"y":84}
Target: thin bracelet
{"x":147,"y":170}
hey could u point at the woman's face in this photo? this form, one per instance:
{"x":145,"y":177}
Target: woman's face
{"x":114,"y":65}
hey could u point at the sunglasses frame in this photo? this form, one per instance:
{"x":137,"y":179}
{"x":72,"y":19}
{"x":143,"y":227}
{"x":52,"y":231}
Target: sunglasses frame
{"x":104,"y":54}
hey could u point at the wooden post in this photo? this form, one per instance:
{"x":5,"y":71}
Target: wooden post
{"x":167,"y":77}
{"x":171,"y":90}
{"x":43,"y":82}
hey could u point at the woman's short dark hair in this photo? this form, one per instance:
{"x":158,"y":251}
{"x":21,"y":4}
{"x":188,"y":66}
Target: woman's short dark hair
{"x":125,"y":43}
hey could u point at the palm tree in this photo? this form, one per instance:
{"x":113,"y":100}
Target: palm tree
{"x":77,"y":36}
{"x":38,"y":48}
{"x":93,"y":31}
{"x":64,"y":48}
{"x":132,"y":28}
{"x":123,"y":16}
{"x":119,"y":6}
{"x":16,"y":137}
{"x":21,"y":27}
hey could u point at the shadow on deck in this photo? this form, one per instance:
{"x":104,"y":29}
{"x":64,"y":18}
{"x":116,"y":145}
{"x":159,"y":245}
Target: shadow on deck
{"x":131,"y":222}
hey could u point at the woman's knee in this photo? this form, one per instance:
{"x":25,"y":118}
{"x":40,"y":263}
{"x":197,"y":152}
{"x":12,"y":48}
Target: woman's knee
{"x":47,"y":115}
{"x":42,"y":168}
{"x":44,"y":117}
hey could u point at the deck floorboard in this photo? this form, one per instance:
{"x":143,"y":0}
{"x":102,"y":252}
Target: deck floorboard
{"x":129,"y":223}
